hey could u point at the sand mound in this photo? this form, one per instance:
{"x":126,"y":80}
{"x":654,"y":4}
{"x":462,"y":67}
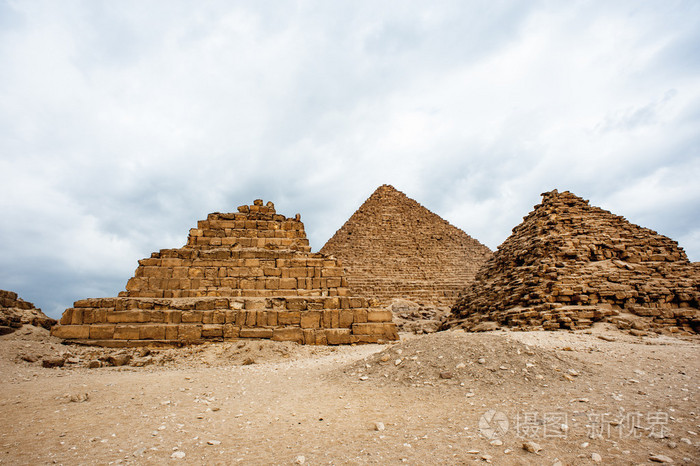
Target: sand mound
{"x":473,"y":361}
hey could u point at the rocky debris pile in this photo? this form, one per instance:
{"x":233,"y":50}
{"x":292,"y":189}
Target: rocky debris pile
{"x":247,"y":274}
{"x":470,"y":361}
{"x":15,"y":312}
{"x":569,"y":264}
{"x":393,"y":247}
{"x":415,"y":318}
{"x":242,"y":352}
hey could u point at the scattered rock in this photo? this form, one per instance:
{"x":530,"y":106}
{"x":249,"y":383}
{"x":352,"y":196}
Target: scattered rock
{"x":301,"y":459}
{"x":660,"y":459}
{"x":445,"y":375}
{"x":532,"y":447}
{"x":119,"y":359}
{"x":178,"y":455}
{"x":596,"y":457}
{"x":379,"y":426}
{"x":248,"y":361}
{"x":53,"y":362}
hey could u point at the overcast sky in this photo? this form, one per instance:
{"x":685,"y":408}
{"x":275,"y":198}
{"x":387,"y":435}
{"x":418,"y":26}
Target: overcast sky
{"x":123,"y":123}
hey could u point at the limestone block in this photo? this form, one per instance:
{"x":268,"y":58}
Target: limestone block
{"x":310,"y":319}
{"x":383,"y":315}
{"x":296,"y":304}
{"x":346,"y":318}
{"x":126,"y":332}
{"x":360,"y":315}
{"x":70,"y":332}
{"x":152,"y":332}
{"x":338,"y":336}
{"x":101,"y":332}
{"x":288,"y":334}
{"x":171,"y":332}
{"x":387,"y":330}
{"x":66,"y":317}
{"x":256,"y":332}
{"x":251,"y":318}
{"x":212,"y":331}
{"x":172,"y":317}
{"x":191,"y":317}
{"x":254,"y":304}
{"x":289,"y":318}
{"x":189,"y":332}
{"x":231,"y":331}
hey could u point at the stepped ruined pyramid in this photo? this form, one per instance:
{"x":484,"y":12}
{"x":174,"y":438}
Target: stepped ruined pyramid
{"x":16,"y":312}
{"x":393,"y":247}
{"x":569,"y":264}
{"x":248,"y":274}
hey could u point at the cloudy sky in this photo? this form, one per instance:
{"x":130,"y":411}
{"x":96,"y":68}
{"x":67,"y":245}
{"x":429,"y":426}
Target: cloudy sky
{"x":123,"y":123}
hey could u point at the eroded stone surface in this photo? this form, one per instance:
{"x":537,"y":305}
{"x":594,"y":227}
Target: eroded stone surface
{"x":393,"y":247}
{"x":15,"y":312}
{"x":569,"y":264}
{"x":248,"y":274}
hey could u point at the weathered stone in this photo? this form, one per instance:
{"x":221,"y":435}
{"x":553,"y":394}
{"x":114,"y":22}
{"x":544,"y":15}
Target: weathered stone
{"x":244,"y":275}
{"x":569,"y":264}
{"x":392,"y":247}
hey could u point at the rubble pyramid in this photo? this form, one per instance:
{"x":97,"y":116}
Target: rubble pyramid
{"x":569,"y":264}
{"x":15,"y":312}
{"x":248,"y":274}
{"x":393,"y":247}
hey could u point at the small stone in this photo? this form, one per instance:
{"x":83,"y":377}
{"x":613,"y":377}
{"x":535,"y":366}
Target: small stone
{"x":445,"y":375}
{"x":384,"y":358}
{"x":557,"y":462}
{"x":596,"y":457}
{"x":29,"y":358}
{"x":53,"y":362}
{"x":473,"y":452}
{"x":496,"y":442}
{"x":660,"y":459}
{"x":686,"y":440}
{"x":487,"y":458}
{"x":178,"y":455}
{"x":364,"y":377}
{"x":248,"y":361}
{"x":397,"y":362}
{"x":573,"y":372}
{"x":532,"y":447}
{"x":301,"y":459}
{"x":379,"y":426}
{"x":481,"y":361}
{"x":94,"y":364}
{"x":213,"y":442}
{"x":119,"y":359}
{"x":584,"y":445}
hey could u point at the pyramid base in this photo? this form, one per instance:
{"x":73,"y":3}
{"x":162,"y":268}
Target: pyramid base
{"x":554,"y":316}
{"x":120,"y":322}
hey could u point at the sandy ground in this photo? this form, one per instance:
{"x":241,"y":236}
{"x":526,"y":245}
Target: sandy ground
{"x":597,"y":396}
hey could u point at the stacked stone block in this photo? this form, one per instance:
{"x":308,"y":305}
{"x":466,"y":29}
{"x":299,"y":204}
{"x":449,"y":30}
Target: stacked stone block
{"x":569,"y":264}
{"x":393,"y":247}
{"x":241,"y":275}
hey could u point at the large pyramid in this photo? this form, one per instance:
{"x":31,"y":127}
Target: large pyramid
{"x":569,"y":264}
{"x":248,"y":274}
{"x":393,"y":247}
